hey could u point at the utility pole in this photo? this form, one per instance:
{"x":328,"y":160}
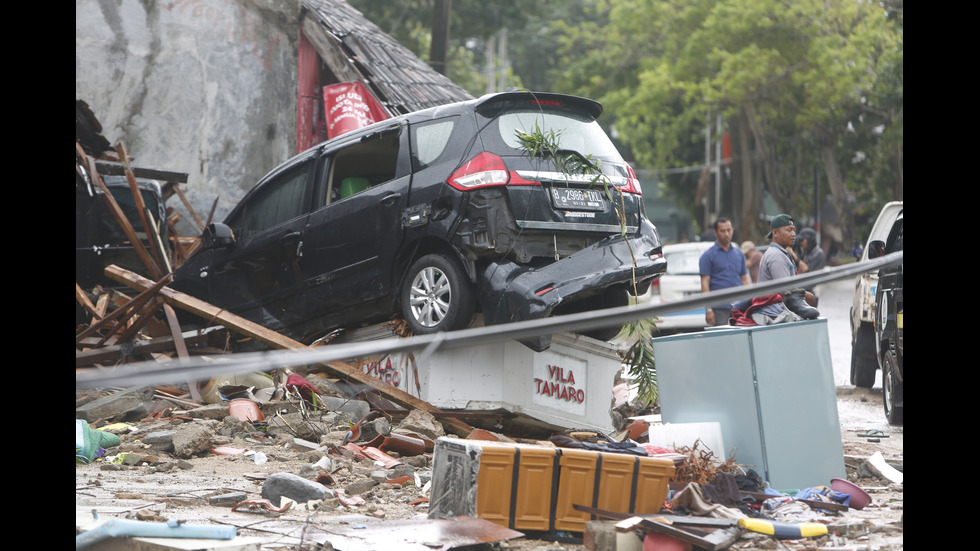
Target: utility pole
{"x":440,"y":35}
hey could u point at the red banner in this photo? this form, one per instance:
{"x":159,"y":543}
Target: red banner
{"x":350,"y":106}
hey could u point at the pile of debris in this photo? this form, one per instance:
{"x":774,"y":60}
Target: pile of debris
{"x":297,"y":461}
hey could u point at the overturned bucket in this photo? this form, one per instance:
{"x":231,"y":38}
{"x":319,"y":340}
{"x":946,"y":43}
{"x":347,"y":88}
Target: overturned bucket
{"x":246,"y":410}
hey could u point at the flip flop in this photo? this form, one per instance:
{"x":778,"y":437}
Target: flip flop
{"x":873,"y":434}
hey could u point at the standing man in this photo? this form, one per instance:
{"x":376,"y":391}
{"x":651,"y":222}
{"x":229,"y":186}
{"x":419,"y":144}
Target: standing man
{"x":722,"y":266}
{"x":779,"y":262}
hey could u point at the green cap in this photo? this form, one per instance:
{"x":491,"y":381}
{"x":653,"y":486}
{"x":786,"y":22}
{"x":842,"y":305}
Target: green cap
{"x":779,"y":221}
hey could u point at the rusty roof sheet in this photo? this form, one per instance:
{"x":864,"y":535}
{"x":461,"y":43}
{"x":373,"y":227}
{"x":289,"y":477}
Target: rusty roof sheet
{"x":398,"y":78}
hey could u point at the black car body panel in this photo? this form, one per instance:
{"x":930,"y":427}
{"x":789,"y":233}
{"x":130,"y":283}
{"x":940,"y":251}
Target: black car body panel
{"x":327,"y":239}
{"x":889,"y":322}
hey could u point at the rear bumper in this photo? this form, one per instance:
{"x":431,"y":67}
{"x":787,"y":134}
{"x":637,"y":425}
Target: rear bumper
{"x":511,"y":292}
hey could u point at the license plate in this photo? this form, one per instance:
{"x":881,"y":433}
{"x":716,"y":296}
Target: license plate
{"x":577,"y":199}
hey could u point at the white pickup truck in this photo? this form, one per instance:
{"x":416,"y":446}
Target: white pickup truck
{"x":864,"y":359}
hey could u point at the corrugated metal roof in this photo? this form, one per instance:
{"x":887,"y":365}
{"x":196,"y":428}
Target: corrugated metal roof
{"x":398,"y":78}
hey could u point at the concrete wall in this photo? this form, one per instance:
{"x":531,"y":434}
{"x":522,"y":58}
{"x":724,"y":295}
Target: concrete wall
{"x":206,"y":87}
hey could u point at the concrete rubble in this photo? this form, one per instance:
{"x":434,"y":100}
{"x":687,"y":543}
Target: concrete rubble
{"x":309,"y":469}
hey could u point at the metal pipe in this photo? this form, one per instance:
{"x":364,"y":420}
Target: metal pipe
{"x":170,"y":529}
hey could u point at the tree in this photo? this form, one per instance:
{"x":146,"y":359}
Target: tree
{"x":789,"y":77}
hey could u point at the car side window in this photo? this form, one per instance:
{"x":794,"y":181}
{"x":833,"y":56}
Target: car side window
{"x":364,"y":164}
{"x":429,"y":140}
{"x":279,"y":200}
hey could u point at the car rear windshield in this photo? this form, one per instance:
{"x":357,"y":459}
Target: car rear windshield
{"x":580,"y":134}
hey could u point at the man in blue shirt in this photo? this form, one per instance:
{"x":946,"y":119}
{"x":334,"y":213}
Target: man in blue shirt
{"x":721,"y":267}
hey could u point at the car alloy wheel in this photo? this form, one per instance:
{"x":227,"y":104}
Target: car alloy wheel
{"x":437,"y":296}
{"x":891,"y":386}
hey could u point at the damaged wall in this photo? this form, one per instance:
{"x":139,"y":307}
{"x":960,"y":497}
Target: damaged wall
{"x":206,"y":87}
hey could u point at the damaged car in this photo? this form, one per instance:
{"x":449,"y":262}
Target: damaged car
{"x":515,"y":205}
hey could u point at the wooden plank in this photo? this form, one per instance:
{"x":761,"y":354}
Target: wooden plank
{"x":141,"y":209}
{"x":273,"y":339}
{"x":187,"y":205}
{"x":113,"y":168}
{"x":83,"y":299}
{"x":331,"y":51}
{"x":181,"y":347}
{"x":113,"y":353}
{"x":125,"y":310}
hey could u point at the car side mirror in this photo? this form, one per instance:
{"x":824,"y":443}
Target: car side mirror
{"x":876,"y":249}
{"x":218,"y":236}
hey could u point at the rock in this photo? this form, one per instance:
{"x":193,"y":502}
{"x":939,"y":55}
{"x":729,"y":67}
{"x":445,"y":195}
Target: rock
{"x":133,"y":402}
{"x":360,"y":487}
{"x":215,"y":412}
{"x":294,"y":487}
{"x":192,"y":441}
{"x":423,"y":423}
{"x":160,"y":440}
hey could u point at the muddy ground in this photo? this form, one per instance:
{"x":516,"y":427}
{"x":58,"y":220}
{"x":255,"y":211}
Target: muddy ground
{"x":204,"y":488}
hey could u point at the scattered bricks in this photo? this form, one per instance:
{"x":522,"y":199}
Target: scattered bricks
{"x":294,"y":487}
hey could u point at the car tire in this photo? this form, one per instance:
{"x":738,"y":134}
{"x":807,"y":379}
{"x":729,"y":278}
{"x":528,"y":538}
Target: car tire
{"x":891,"y":386}
{"x":864,"y":364}
{"x":437,"y":296}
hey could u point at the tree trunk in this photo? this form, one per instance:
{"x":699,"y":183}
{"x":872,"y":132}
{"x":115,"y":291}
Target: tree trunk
{"x":747,"y":188}
{"x":845,"y":216}
{"x":766,"y":146}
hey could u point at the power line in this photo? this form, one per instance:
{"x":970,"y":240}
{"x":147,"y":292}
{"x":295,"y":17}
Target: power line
{"x":205,"y":367}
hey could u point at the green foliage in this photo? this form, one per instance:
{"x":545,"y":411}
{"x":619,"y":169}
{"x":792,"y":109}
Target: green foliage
{"x":640,"y":363}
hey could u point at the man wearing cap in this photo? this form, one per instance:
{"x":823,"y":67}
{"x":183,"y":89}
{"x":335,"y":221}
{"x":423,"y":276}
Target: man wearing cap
{"x":779,"y":262}
{"x":721,"y":267}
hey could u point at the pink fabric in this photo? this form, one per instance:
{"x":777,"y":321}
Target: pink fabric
{"x":740,"y":318}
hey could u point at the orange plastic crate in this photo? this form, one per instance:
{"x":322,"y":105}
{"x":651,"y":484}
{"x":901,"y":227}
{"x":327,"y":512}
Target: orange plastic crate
{"x":526,"y":487}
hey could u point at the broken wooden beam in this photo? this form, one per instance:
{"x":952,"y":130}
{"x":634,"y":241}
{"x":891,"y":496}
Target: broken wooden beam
{"x":113,"y":353}
{"x":276,"y":340}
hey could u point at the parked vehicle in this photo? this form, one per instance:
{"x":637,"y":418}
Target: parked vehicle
{"x":864,"y":363}
{"x":889,"y":327}
{"x":681,"y":280}
{"x":506,"y":204}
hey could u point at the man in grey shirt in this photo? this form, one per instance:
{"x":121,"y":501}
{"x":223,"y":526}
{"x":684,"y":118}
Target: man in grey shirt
{"x":779,"y":262}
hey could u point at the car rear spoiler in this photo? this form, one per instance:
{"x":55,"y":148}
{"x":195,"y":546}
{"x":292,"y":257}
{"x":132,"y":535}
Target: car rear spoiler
{"x":492,"y":104}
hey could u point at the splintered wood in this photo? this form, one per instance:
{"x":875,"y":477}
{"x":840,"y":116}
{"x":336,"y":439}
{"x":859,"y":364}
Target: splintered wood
{"x":701,"y":465}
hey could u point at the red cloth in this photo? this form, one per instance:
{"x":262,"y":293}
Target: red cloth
{"x":741,"y":319}
{"x":301,"y":385}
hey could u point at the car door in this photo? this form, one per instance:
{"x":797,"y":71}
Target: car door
{"x":256,"y":277}
{"x":350,"y":242}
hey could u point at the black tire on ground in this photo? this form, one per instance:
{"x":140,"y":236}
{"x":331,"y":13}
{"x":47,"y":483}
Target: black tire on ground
{"x":864,"y":362}
{"x":892,"y":388}
{"x":437,"y":296}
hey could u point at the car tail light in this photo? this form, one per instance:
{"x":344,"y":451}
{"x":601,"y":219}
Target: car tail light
{"x":486,"y":169}
{"x":632,"y":182}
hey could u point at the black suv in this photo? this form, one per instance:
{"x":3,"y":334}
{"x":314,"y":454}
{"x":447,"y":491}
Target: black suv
{"x":514,"y":204}
{"x":889,"y":304}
